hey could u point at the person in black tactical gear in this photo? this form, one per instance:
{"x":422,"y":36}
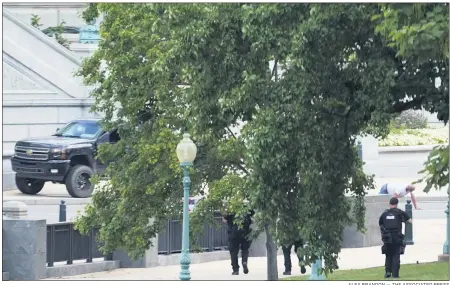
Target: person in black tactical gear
{"x":391,"y":223}
{"x":287,"y":257}
{"x":239,"y":238}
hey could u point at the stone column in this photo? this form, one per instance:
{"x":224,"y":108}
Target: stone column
{"x":15,"y":209}
{"x":151,"y":255}
{"x":24,"y":243}
{"x":258,"y":246}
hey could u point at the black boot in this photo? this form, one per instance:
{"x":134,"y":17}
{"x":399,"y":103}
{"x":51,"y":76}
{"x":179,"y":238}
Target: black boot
{"x":287,"y":271}
{"x":302,"y":269}
{"x":387,"y":274}
{"x":245,"y":267}
{"x":245,"y":261}
{"x":234,"y":261}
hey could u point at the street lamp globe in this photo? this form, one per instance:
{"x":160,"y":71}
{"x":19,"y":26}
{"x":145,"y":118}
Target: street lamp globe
{"x":186,"y":150}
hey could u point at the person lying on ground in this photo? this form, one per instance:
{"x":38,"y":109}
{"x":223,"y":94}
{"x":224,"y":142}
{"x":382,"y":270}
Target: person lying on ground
{"x":399,"y":191}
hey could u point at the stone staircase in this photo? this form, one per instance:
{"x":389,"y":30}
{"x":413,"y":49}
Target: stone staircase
{"x":51,"y":14}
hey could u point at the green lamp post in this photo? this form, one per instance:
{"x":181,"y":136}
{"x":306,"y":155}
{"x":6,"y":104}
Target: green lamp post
{"x":316,"y":270}
{"x":445,"y":247}
{"x":186,"y":152}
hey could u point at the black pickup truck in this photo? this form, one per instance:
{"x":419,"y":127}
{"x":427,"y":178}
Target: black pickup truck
{"x":67,"y":157}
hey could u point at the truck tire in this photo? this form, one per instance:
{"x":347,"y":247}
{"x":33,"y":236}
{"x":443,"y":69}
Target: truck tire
{"x":29,"y":186}
{"x":78,"y":181}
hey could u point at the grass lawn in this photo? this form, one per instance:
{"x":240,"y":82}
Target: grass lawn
{"x":434,"y":271}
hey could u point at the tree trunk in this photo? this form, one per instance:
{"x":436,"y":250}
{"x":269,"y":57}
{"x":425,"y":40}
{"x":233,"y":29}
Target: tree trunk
{"x":272,"y":266}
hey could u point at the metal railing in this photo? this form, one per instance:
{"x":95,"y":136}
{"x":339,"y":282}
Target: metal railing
{"x":65,"y":244}
{"x":211,"y":239}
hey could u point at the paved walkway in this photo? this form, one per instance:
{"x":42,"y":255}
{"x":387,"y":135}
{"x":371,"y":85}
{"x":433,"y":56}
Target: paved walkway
{"x":429,"y":237}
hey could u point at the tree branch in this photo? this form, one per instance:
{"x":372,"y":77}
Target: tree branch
{"x":403,"y":106}
{"x":230,"y":132}
{"x":238,"y":165}
{"x":242,"y":168}
{"x":275,"y":65}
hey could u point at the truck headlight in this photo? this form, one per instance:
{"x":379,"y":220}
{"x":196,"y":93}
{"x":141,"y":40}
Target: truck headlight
{"x":59,"y":153}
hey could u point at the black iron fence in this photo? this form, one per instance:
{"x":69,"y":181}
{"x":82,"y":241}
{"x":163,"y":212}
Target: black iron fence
{"x":211,"y":239}
{"x":65,"y":244}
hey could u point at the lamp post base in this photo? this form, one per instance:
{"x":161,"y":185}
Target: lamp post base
{"x":315,"y":271}
{"x":185,"y":276}
{"x":317,"y":277}
{"x":443,"y":257}
{"x":185,"y":261}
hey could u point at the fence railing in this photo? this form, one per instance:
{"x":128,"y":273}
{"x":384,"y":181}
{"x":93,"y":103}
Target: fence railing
{"x":212,"y":238}
{"x":65,"y":244}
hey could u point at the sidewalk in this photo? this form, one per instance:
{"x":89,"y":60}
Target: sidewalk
{"x":429,"y":236}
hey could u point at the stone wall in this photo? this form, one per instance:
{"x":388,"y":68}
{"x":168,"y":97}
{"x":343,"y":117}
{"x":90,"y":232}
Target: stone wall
{"x":375,"y":205}
{"x":24,"y":248}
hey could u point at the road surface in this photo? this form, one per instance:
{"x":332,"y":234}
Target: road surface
{"x":45,"y":205}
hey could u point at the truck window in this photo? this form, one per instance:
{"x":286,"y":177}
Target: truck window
{"x":114,"y":137}
{"x":80,"y":129}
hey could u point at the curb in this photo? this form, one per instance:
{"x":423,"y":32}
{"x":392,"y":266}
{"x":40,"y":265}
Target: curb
{"x":430,"y":199}
{"x":52,"y":201}
{"x":412,"y":148}
{"x":5,"y":276}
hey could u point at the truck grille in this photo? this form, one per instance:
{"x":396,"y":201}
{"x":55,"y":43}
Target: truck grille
{"x":31,"y":152}
{"x":30,"y":170}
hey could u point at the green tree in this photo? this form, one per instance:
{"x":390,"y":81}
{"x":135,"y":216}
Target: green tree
{"x":300,"y":81}
{"x":143,"y":46}
{"x":419,"y":33}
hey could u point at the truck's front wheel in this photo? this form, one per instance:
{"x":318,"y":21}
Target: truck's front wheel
{"x":78,"y":182}
{"x":29,"y":186}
